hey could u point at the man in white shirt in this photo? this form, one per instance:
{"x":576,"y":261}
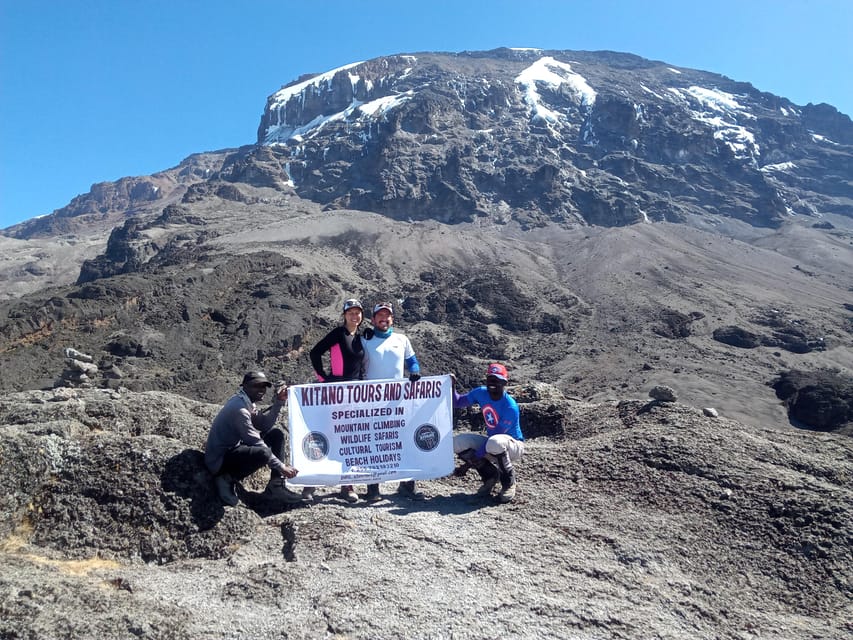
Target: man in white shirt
{"x":388,"y":355}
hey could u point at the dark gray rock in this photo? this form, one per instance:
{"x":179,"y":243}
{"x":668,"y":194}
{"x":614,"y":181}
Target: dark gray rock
{"x":737,"y":337}
{"x":821,"y":400}
{"x":674,"y":324}
{"x":663,"y":393}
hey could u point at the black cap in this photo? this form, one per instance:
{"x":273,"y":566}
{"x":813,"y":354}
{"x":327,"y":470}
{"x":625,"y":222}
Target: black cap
{"x":255,"y":377}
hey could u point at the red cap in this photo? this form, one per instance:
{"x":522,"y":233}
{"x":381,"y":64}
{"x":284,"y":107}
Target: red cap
{"x":498,"y":371}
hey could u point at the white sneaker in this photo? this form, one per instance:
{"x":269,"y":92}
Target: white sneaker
{"x":225,"y":488}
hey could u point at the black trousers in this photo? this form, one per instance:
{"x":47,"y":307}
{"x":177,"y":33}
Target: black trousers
{"x":243,"y":460}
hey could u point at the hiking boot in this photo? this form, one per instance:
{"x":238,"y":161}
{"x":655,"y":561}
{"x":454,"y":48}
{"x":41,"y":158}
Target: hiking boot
{"x":489,"y":475}
{"x":225,"y":489}
{"x":277,"y":489}
{"x":507,"y":475}
{"x":308,"y":492}
{"x":407,"y":490}
{"x":348,"y":493}
{"x":506,"y":494}
{"x":487,"y":487}
{"x":372,"y":494}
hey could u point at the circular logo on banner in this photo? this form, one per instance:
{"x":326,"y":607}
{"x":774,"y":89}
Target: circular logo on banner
{"x":427,"y":437}
{"x":315,"y":446}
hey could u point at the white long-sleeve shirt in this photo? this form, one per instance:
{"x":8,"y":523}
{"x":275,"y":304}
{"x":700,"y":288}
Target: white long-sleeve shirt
{"x":388,"y":357}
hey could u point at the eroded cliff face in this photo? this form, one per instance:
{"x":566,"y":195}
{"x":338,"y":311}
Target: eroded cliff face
{"x":108,"y":204}
{"x":573,"y":137}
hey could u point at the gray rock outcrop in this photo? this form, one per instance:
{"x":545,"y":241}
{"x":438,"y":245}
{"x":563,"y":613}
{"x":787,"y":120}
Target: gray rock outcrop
{"x":637,"y":521}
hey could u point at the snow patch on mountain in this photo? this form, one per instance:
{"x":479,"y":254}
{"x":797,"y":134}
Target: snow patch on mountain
{"x":647,"y":90}
{"x":554,"y":75}
{"x":715,"y":99}
{"x":781,"y":166}
{"x":721,"y":111}
{"x":356,"y":112}
{"x":381,"y":106}
{"x":321,"y":82}
{"x":280,"y":131}
{"x":819,"y":138}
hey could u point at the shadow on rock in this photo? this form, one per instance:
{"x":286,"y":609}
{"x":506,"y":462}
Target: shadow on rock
{"x":265,"y":505}
{"x":455,"y":504}
{"x":288,"y":536}
{"x":186,"y":475}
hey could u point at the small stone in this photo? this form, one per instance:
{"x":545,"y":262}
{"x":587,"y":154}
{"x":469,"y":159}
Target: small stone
{"x":663,"y":394}
{"x":114,"y":373}
{"x":73,"y":354}
{"x":711,"y":412}
{"x":81,"y":365}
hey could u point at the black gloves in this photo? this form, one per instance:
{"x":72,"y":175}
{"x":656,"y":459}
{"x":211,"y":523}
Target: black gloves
{"x":414,"y":377}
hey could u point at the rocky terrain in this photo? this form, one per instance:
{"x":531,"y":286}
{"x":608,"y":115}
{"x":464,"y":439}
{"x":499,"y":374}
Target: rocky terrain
{"x":191,"y":297}
{"x":635,"y":518}
{"x":603,"y":224}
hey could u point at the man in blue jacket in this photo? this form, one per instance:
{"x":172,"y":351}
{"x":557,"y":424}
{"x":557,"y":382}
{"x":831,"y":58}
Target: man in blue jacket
{"x":492,"y":454}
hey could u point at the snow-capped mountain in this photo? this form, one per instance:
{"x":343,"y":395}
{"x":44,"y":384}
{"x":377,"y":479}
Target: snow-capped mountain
{"x":576,"y":137}
{"x":529,"y":135}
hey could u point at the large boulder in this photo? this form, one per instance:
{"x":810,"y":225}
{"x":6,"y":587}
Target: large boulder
{"x":821,"y":400}
{"x":737,"y":337}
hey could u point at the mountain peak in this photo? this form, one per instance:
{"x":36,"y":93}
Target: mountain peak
{"x":561,"y":136}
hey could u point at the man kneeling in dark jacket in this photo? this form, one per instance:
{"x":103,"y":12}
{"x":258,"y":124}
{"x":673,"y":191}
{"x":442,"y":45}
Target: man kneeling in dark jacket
{"x":243,"y":439}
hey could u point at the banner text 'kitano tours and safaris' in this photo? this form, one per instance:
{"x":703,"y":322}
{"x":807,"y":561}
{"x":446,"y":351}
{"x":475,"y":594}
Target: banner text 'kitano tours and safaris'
{"x":371,"y":431}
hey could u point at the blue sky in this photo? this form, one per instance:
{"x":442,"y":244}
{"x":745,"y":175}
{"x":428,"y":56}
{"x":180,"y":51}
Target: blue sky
{"x":94,"y":90}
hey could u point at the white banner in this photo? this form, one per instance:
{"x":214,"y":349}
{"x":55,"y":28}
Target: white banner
{"x":371,"y":431}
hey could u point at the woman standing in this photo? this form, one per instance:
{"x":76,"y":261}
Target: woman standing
{"x":346,"y":362}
